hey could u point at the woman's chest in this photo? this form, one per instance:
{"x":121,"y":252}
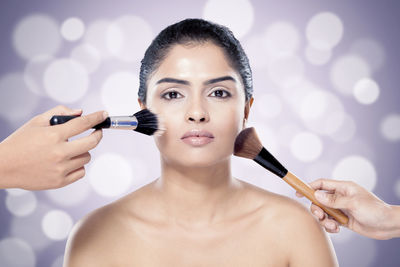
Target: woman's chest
{"x":239,"y":246}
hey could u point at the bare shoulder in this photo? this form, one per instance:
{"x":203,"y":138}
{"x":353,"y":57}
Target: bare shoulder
{"x":294,"y":228}
{"x":103,"y":234}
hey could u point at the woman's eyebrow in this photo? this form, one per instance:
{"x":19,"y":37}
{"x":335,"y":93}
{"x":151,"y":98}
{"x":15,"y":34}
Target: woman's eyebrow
{"x":184,"y":82}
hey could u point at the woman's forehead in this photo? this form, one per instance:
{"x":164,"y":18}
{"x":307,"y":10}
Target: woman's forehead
{"x":200,"y":61}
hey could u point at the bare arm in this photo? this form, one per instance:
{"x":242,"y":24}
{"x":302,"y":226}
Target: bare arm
{"x":308,"y":243}
{"x":87,"y":242}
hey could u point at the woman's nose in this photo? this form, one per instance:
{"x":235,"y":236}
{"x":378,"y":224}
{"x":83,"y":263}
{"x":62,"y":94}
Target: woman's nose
{"x":197,"y":112}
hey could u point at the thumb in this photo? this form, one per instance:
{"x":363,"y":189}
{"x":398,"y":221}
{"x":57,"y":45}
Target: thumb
{"x":333,"y":200}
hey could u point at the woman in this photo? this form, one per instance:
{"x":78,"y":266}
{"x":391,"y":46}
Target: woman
{"x":197,"y":77}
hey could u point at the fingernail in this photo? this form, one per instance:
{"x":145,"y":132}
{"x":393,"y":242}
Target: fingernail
{"x":105,"y":115}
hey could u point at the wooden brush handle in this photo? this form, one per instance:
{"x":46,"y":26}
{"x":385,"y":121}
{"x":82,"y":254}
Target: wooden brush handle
{"x":308,"y":192}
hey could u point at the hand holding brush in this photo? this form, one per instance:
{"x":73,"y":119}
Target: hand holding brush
{"x":143,"y":121}
{"x":248,"y":145}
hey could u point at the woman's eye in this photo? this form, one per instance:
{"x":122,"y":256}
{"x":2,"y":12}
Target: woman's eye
{"x":220,"y":93}
{"x":171,"y":95}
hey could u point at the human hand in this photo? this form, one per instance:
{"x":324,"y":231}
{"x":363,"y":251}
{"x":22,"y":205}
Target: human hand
{"x":38,"y":156}
{"x":368,"y":215}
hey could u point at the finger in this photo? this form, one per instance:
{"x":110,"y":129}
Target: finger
{"x":44,"y":118}
{"x":299,"y":194}
{"x":81,"y":124}
{"x":75,"y":175}
{"x":317,"y":211}
{"x":84,"y":144}
{"x":78,"y":162}
{"x":330,"y":185}
{"x":335,"y":200}
{"x":330,"y":225}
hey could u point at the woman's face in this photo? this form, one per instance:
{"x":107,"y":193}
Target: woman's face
{"x":201,"y":101}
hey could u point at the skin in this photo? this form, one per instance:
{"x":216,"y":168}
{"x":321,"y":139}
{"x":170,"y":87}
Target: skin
{"x":196,"y":213}
{"x":368,"y":215}
{"x":38,"y":156}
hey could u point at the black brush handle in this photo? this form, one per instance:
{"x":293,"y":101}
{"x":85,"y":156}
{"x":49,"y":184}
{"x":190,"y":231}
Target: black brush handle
{"x":268,"y":161}
{"x":58,"y":119}
{"x":61,"y":119}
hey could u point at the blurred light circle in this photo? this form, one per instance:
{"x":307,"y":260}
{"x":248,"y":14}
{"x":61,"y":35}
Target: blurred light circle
{"x":16,"y":191}
{"x":88,"y":56}
{"x":70,"y":195}
{"x":72,"y":29}
{"x":287,"y":132}
{"x":110,"y":175}
{"x":324,"y":30}
{"x":140,"y":176}
{"x":32,"y":234}
{"x":123,"y":41}
{"x":34,"y":72}
{"x":322,"y":112}
{"x":317,"y":170}
{"x":295,"y":95}
{"x":269,"y":105}
{"x":21,"y":205}
{"x":286,"y":71}
{"x":92,"y":102}
{"x":119,"y":93}
{"x":366,"y":91}
{"x":96,"y":36}
{"x":56,"y":224}
{"x":36,"y":35}
{"x":397,"y":188}
{"x":346,"y":131}
{"x":66,"y":81}
{"x":357,"y":169}
{"x":15,"y":252}
{"x":346,"y":71}
{"x":17,"y":102}
{"x":306,"y":147}
{"x":390,"y":127}
{"x":317,"y":57}
{"x":269,"y":138}
{"x":237,"y":15}
{"x":256,"y":51}
{"x":281,"y":39}
{"x":371,"y":51}
{"x":314,"y":105}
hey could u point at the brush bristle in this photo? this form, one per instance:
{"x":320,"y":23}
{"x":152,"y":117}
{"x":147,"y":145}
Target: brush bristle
{"x":247,"y":144}
{"x":148,"y":123}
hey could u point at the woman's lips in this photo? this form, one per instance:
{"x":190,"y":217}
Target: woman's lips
{"x":197,"y":137}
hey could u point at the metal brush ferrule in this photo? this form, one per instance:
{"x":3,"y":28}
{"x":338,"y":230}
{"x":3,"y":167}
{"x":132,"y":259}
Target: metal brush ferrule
{"x":123,"y":122}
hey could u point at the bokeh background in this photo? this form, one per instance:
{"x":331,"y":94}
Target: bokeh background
{"x":326,"y":76}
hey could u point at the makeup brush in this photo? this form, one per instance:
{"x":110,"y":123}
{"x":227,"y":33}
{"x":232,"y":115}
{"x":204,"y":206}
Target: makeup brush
{"x":248,"y":145}
{"x":143,"y":121}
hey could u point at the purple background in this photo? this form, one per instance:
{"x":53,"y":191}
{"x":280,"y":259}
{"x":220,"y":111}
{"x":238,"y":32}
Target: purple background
{"x":376,"y":20}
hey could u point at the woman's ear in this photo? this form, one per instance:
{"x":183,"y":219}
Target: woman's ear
{"x":142,"y":106}
{"x":247,"y":108}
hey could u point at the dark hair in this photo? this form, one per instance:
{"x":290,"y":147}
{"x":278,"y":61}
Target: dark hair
{"x":195,"y":31}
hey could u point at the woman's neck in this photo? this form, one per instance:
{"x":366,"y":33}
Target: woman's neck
{"x":196,"y":197}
